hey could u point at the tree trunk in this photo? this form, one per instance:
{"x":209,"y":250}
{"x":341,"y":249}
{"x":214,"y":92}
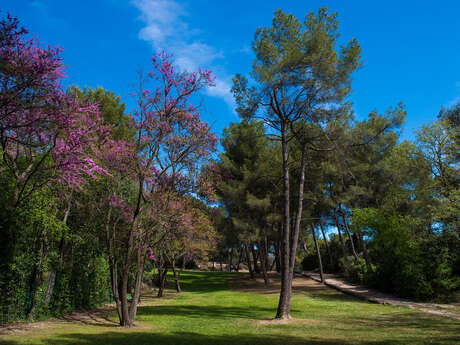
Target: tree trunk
{"x":113,"y":264}
{"x":344,"y":250}
{"x":266,"y":251}
{"x":125,"y":319}
{"x":263,"y":263}
{"x":347,"y":230}
{"x":50,"y":282}
{"x":284,"y":304}
{"x":176,"y":277}
{"x":292,"y":238}
{"x":141,"y":254}
{"x":366,"y":254}
{"x":240,"y":254}
{"x":277,"y":256}
{"x":326,"y":244}
{"x":163,"y":273}
{"x":318,"y":253}
{"x":254,"y":258}
{"x":36,"y":281}
{"x":248,"y":260}
{"x":51,"y":277}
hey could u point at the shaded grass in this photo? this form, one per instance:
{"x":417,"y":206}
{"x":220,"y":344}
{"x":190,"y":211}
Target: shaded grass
{"x":209,"y":312}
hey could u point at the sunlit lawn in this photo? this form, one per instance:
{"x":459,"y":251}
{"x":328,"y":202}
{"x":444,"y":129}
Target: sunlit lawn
{"x":212,"y":311}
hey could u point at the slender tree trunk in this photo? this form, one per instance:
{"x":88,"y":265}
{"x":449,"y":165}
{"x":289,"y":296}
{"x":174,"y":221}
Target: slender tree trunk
{"x":326,"y":243}
{"x":347,"y":230}
{"x":51,"y":277}
{"x":248,"y":260}
{"x":176,"y":276}
{"x":284,"y":304}
{"x":35,"y":281}
{"x":163,"y":273}
{"x":240,"y":254}
{"x":113,"y":264}
{"x":293,"y":237}
{"x":263,"y":263}
{"x":266,"y":252}
{"x":126,"y":321}
{"x":344,"y":250}
{"x":366,"y":253}
{"x":138,"y":284}
{"x":277,"y":256}
{"x":298,"y":220}
{"x":274,"y":260}
{"x":318,"y":253}
{"x":229,"y":259}
{"x":254,"y":258}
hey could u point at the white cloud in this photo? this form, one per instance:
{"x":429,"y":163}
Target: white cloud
{"x":223,"y":90}
{"x":166,"y":29}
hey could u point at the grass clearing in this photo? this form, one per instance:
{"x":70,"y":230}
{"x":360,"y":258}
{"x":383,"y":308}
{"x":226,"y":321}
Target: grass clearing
{"x":224,"y":308}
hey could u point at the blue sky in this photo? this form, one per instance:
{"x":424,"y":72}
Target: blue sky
{"x":411,"y":49}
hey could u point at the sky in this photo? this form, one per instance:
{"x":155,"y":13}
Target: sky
{"x":410,"y":49}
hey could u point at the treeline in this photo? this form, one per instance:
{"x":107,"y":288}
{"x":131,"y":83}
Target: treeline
{"x":381,"y":211}
{"x":93,"y":196}
{"x":303,"y":181}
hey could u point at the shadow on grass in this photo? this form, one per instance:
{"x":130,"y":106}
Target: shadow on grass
{"x":190,"y":338}
{"x":334,"y":296}
{"x":209,"y":311}
{"x":411,"y":321}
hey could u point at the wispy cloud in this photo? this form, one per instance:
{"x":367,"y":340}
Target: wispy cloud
{"x":166,"y":28}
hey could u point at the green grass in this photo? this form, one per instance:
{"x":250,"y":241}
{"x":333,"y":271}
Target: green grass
{"x":209,"y":312}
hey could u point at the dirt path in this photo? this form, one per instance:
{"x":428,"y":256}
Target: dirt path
{"x":98,"y":317}
{"x":374,"y":296}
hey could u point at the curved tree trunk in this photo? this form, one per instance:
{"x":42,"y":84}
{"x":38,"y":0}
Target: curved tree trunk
{"x":318,"y":253}
{"x":347,"y":230}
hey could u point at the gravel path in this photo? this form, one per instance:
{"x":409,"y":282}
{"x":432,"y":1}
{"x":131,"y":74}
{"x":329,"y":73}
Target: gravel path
{"x":374,"y":296}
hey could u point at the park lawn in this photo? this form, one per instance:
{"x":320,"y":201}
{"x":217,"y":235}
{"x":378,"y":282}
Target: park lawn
{"x":213,"y":309}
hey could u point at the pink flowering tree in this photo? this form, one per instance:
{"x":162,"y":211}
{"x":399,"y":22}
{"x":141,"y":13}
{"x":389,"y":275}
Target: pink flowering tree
{"x":184,"y":232}
{"x":171,"y":144}
{"x":46,"y":135}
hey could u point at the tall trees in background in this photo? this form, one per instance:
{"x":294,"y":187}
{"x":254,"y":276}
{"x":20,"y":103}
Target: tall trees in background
{"x":299,"y":75}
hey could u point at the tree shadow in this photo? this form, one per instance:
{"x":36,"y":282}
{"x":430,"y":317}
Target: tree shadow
{"x":208,"y":311}
{"x":335,"y":296}
{"x":190,"y":338}
{"x":415,"y":320}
